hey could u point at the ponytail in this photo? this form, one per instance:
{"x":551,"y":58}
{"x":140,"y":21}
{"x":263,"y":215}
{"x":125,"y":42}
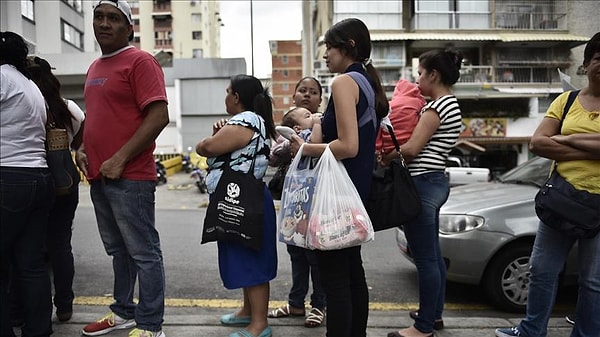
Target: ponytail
{"x":382,"y":106}
{"x":263,"y":106}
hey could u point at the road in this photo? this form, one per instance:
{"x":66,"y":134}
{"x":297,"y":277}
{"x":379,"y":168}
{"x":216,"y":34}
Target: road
{"x":191,"y":269}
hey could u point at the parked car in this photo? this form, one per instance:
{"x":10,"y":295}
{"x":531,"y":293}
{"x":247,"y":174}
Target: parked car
{"x":487,"y":232}
{"x":460,"y":174}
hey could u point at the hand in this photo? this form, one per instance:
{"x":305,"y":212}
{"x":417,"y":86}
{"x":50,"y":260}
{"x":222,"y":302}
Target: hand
{"x":218,"y":125}
{"x":82,"y":161}
{"x":295,"y":143}
{"x":112,"y":168}
{"x":317,"y":118}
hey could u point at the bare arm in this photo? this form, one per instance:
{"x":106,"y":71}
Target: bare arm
{"x":588,"y":142}
{"x":345,"y":97}
{"x":157,"y":117}
{"x":543,"y":143}
{"x":225,"y":139}
{"x":316,"y":136}
{"x":426,"y":127}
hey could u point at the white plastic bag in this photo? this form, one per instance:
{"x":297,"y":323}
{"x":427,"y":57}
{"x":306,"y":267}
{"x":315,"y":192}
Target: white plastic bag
{"x":296,"y":201}
{"x":338,"y":218}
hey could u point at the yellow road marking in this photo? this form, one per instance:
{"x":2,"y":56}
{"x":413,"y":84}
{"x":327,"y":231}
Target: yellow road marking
{"x":232,"y":304}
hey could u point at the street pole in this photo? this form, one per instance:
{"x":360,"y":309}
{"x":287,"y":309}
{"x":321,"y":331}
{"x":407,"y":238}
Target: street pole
{"x":252,"y":36}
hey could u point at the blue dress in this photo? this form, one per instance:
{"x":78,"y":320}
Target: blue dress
{"x":242,"y":267}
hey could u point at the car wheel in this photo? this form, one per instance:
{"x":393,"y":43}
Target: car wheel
{"x":506,"y":281}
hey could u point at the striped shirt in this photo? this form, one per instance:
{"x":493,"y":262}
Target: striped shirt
{"x":432,"y":157}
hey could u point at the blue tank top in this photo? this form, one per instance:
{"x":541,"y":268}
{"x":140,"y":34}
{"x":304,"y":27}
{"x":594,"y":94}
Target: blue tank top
{"x":360,"y":167}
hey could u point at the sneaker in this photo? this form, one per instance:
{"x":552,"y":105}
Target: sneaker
{"x":145,"y":333}
{"x":107,"y":324}
{"x":508,"y":332}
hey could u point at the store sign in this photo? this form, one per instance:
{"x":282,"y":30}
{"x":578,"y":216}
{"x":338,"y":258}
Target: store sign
{"x":484,"y":127}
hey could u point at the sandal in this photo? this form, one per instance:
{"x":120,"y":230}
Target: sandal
{"x":284,"y":311}
{"x":314,"y":319}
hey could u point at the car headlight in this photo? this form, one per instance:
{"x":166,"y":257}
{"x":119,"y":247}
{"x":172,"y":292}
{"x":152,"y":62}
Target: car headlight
{"x":459,"y":223}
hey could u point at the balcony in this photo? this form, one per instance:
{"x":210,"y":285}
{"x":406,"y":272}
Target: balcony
{"x":503,"y":14}
{"x":163,"y":44}
{"x":519,"y":75}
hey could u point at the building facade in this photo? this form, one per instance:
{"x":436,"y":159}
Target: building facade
{"x":286,"y":60}
{"x":511,"y":49}
{"x":181,"y":29}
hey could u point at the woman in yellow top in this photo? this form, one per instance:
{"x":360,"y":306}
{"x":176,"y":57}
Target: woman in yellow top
{"x":576,"y":149}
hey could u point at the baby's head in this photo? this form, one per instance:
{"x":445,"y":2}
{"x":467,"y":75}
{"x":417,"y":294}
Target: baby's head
{"x":298,"y":119}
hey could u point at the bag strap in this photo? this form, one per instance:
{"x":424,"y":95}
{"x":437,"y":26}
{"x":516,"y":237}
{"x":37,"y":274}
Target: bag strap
{"x":390,"y":130}
{"x":365,"y":86}
{"x":570,"y":100}
{"x":572,"y":95}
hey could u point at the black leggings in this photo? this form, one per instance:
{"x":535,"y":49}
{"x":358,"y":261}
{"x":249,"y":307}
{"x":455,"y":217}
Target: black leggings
{"x":343,"y":279}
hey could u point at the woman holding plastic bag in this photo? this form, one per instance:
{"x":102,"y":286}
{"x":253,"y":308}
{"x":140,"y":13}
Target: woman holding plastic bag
{"x":351,"y":140}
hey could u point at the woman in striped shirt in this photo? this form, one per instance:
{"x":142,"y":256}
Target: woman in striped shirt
{"x":426,"y":151}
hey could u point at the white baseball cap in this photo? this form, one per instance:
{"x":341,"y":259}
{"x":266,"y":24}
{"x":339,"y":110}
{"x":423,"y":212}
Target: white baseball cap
{"x":122,"y":5}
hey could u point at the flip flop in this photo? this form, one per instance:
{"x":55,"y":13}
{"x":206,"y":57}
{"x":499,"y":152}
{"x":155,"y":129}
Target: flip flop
{"x":283,"y":311}
{"x":314,"y":319}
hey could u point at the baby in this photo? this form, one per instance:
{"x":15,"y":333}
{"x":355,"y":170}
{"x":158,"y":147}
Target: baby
{"x":308,"y":127}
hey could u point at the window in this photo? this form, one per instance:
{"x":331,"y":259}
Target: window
{"x":194,"y":2}
{"x":75,"y":4}
{"x":71,"y":35}
{"x":196,"y":17}
{"x":284,"y":59}
{"x":285,"y":86}
{"x":27,"y":9}
{"x":197,"y":35}
{"x":285,"y":73}
{"x":197,"y":53}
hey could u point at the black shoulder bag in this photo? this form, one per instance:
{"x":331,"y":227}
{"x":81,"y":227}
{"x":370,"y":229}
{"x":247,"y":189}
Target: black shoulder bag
{"x":235,"y":211}
{"x":393,"y":200}
{"x":576,"y":213}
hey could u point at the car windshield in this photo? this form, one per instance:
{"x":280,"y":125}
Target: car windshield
{"x":532,"y":172}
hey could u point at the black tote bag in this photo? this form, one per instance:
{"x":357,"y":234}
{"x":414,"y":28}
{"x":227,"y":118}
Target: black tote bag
{"x":235,"y":211}
{"x":393,"y":199}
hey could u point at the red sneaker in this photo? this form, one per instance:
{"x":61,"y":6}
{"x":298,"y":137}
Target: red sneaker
{"x":107,"y":324}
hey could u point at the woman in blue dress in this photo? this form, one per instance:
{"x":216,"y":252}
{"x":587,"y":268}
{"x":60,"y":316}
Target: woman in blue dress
{"x":244,"y":138}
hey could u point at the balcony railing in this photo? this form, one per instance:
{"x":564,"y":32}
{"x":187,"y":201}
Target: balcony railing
{"x":531,"y":75}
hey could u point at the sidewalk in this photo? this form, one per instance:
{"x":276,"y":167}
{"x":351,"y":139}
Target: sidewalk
{"x":204,"y":322}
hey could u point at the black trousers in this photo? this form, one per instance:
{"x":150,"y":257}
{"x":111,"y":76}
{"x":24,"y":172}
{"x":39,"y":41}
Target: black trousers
{"x":343,"y":278}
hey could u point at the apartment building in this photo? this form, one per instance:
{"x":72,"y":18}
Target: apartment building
{"x":178,"y":28}
{"x":511,"y":50}
{"x":286,"y":60}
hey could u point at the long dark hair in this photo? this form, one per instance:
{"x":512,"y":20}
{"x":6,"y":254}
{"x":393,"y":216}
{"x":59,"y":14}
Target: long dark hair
{"x":13,"y":51}
{"x":41,"y":74}
{"x":351,"y":36}
{"x":446,"y":62}
{"x":255,"y":98}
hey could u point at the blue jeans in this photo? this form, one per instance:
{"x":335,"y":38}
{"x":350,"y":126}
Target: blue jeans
{"x":59,"y":255}
{"x":422,"y":236}
{"x":125,"y":214}
{"x":305,"y":263}
{"x":26,"y":195}
{"x":550,"y":250}
{"x":60,"y":252}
